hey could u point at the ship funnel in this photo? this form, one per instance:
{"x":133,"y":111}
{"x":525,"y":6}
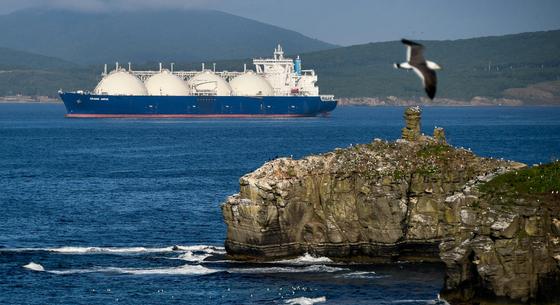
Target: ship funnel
{"x":105,"y":70}
{"x":116,"y":66}
{"x":160,"y":67}
{"x":172,"y":66}
{"x":129,"y":66}
{"x":202,"y":66}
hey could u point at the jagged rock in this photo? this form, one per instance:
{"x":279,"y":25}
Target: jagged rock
{"x":420,"y":200}
{"x":369,"y":201}
{"x":512,"y":253}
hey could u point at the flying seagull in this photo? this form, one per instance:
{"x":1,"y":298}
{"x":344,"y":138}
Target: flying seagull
{"x":425,"y":69}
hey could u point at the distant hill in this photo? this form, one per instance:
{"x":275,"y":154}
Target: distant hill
{"x":521,"y":66}
{"x":471,"y":67}
{"x":140,"y":36}
{"x":15,"y":59}
{"x":486,"y":66}
{"x":32,"y":74}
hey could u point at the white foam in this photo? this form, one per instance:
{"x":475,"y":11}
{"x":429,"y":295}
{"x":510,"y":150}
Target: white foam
{"x":415,"y":301}
{"x":75,"y":271}
{"x":306,"y":259}
{"x":197,"y":253}
{"x":181,"y":270}
{"x":35,"y":267}
{"x":121,"y":250}
{"x":202,"y":248}
{"x":306,"y":301}
{"x":102,"y":250}
{"x":309,"y":269}
{"x":362,"y":275}
{"x":190,"y":256}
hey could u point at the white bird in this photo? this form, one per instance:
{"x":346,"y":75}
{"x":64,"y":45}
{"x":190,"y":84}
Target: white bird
{"x":425,"y":69}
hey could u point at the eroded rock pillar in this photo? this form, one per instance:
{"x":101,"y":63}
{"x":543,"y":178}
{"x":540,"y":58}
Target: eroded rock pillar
{"x":412,"y":130}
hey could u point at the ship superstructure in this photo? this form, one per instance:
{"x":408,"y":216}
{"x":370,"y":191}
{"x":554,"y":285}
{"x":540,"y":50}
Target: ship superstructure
{"x":276,"y":87}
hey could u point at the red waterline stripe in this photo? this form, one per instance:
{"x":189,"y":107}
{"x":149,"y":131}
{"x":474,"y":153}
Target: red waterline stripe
{"x":179,"y":116}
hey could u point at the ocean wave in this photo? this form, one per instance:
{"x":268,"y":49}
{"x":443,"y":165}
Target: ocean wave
{"x":201,"y":248}
{"x":306,"y":259}
{"x":120,"y":250}
{"x":362,"y":275}
{"x":198,"y":253}
{"x":191,"y":256}
{"x":181,"y":270}
{"x":103,"y":250}
{"x":306,"y":301}
{"x":308,"y":269}
{"x":430,"y":302}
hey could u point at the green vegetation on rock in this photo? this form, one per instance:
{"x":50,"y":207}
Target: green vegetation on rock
{"x":537,"y":180}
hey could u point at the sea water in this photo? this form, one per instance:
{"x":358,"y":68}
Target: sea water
{"x":119,"y":211}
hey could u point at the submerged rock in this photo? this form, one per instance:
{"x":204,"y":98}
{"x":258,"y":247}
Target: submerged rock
{"x":416,"y":200}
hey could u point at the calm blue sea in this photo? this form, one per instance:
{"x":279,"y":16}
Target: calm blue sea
{"x":99,"y":204}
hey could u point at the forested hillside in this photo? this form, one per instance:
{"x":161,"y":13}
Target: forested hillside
{"x":489,"y":67}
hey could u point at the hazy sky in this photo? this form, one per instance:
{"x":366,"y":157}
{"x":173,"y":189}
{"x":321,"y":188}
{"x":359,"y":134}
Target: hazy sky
{"x":347,"y":22}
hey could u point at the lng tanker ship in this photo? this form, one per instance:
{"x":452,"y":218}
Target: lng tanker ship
{"x":278,"y":87}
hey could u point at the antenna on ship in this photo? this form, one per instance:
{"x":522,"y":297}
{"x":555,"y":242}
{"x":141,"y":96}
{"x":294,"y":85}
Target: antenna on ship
{"x":278,"y":52}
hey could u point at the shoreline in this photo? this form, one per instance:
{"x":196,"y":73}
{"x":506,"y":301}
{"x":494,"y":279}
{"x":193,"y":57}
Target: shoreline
{"x":408,"y":102}
{"x":30,"y":102}
{"x":447,"y":106}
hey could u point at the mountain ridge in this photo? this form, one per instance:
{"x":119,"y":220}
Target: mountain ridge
{"x":139,"y":36}
{"x":522,"y":68}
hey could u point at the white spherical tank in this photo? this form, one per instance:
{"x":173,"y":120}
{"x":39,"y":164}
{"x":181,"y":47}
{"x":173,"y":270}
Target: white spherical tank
{"x":208,"y":83}
{"x":251,"y":84}
{"x":120,"y":82}
{"x":166,"y":83}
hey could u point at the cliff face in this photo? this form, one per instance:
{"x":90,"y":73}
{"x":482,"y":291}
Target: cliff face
{"x":417,"y":199}
{"x":508,"y":244}
{"x":381,"y":201}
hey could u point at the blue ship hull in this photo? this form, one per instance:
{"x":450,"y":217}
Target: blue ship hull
{"x":81,"y":105}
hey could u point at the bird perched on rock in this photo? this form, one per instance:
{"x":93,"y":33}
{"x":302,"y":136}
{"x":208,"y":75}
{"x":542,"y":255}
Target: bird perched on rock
{"x":425,"y":69}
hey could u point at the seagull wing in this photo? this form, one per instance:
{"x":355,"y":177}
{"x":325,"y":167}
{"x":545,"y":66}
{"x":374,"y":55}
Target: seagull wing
{"x":415,"y":51}
{"x":429,"y":79}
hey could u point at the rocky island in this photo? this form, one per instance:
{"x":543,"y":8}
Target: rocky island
{"x":495,"y":224}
